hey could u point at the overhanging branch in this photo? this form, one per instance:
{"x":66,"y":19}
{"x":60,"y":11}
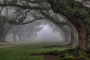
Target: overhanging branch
{"x":23,"y":17}
{"x":39,"y":18}
{"x":25,"y":7}
{"x":40,"y":1}
{"x":52,"y":20}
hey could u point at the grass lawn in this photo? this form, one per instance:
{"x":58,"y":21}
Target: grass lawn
{"x":3,"y":44}
{"x":23,"y":52}
{"x":12,"y":43}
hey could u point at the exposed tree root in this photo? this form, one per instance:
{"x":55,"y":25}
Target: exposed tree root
{"x":71,"y":54}
{"x":68,"y":54}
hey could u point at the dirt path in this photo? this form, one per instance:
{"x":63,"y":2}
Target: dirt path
{"x":13,"y":45}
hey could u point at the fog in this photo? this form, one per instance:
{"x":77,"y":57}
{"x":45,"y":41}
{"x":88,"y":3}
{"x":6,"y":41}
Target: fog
{"x":35,"y":25}
{"x":41,"y":32}
{"x":47,"y":34}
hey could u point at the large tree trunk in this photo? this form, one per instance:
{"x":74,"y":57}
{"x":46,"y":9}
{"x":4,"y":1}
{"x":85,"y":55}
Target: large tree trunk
{"x":2,"y":35}
{"x":82,"y":41}
{"x":2,"y":38}
{"x":82,"y":31}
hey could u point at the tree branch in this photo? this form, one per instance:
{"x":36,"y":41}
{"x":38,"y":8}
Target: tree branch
{"x":35,"y":1}
{"x":24,"y":17}
{"x":52,"y":20}
{"x":69,"y":19}
{"x":25,"y":7}
{"x":40,"y":18}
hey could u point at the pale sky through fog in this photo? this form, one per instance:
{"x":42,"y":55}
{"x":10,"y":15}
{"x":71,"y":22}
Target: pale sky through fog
{"x":46,"y":34}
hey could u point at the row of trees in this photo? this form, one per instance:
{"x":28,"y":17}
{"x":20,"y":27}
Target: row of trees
{"x":6,"y":28}
{"x":18,"y":11}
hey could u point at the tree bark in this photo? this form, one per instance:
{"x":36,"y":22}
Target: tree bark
{"x":2,"y":35}
{"x":2,"y":38}
{"x":82,"y":31}
{"x":80,"y":27}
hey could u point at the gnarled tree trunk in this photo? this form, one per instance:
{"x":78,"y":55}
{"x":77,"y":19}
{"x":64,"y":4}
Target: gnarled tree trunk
{"x":81,"y":28}
{"x":82,"y":31}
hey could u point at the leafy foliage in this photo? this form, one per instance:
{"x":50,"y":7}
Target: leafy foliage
{"x":73,"y":10}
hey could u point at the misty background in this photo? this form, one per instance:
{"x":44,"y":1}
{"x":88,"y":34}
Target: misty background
{"x":43,"y":29}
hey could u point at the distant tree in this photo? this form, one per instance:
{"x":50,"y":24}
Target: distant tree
{"x":68,"y":8}
{"x":4,"y":26}
{"x":18,"y":17}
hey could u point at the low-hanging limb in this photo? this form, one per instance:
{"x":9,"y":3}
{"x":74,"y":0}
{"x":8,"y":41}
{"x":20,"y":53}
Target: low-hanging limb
{"x":21,"y":20}
{"x":40,"y":1}
{"x":52,"y":20}
{"x":25,"y":7}
{"x":40,"y":18}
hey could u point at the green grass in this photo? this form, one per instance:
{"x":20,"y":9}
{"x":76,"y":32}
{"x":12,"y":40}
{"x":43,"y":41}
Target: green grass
{"x":12,"y":43}
{"x":23,"y":52}
{"x":2,"y":44}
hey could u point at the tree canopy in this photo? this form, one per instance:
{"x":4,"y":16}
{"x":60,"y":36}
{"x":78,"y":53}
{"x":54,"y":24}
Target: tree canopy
{"x":77,"y":14}
{"x":74,"y":11}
